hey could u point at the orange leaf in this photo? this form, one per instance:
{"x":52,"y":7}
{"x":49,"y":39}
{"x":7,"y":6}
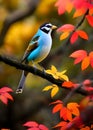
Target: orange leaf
{"x":61,"y":124}
{"x":68,"y":84}
{"x":79,"y":12}
{"x":90,"y":20}
{"x":69,"y":7}
{"x":57,"y":108}
{"x":63,"y":113}
{"x":74,"y":37}
{"x":91,"y":58}
{"x":86,"y":128}
{"x":69,"y":115}
{"x":64,"y":35}
{"x":7,"y":95}
{"x":56,"y":102}
{"x":79,"y":55}
{"x":82,"y":34}
{"x":91,"y":11}
{"x":3,"y":99}
{"x":66,"y":28}
{"x":73,"y":107}
{"x":85,"y":63}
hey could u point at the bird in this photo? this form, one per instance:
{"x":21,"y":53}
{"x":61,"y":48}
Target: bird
{"x":37,"y":50}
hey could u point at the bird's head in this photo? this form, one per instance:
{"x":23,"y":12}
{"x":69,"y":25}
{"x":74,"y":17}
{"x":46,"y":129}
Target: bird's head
{"x":47,"y":27}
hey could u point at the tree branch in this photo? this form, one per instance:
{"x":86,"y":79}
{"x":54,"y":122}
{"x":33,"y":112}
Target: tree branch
{"x":38,"y":72}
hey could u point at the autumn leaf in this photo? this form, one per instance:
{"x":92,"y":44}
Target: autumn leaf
{"x":63,"y":113}
{"x":57,"y":107}
{"x":61,"y":124}
{"x":82,"y":34}
{"x":57,"y":102}
{"x":47,"y":88}
{"x":64,"y":35}
{"x":4,"y":94}
{"x":79,"y":12}
{"x":73,"y":107}
{"x":85,"y":63}
{"x":66,"y":28}
{"x":68,"y":84}
{"x":54,"y":90}
{"x":91,"y":58}
{"x":31,"y":124}
{"x":35,"y":126}
{"x":63,"y":6}
{"x":78,"y":55}
{"x":53,"y":72}
{"x":86,"y":128}
{"x":90,"y":20}
{"x":3,"y":99}
{"x":57,"y":75}
{"x":74,"y":37}
{"x":43,"y":127}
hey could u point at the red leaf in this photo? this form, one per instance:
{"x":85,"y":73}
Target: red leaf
{"x":57,"y":108}
{"x":90,"y":20}
{"x":31,"y":124}
{"x":61,"y":124}
{"x":61,"y":6}
{"x":68,"y":84}
{"x":33,"y":128}
{"x":78,"y":55}
{"x":82,"y":34}
{"x":3,"y":99}
{"x":56,"y":102}
{"x":63,"y":113}
{"x":91,"y":58}
{"x":7,"y":95}
{"x":74,"y":37}
{"x":6,"y":89}
{"x":66,"y":28}
{"x":43,"y":127}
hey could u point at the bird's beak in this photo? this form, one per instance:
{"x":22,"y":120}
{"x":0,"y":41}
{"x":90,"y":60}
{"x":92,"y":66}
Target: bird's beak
{"x":54,"y":27}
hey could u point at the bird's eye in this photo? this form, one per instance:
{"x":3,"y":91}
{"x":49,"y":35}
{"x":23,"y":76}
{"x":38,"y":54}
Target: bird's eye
{"x":49,"y":26}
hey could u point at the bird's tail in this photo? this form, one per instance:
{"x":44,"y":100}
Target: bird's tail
{"x":21,"y":83}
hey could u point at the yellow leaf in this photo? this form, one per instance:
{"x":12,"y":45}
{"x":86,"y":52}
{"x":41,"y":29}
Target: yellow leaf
{"x":47,"y":88}
{"x":53,"y":68}
{"x":65,"y":77}
{"x":54,"y":90}
{"x":64,"y":35}
{"x":64,"y":71}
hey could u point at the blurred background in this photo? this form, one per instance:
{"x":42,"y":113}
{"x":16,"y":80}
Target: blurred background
{"x":19,"y":21}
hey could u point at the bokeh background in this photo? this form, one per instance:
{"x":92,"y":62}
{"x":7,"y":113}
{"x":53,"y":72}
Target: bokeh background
{"x":19,"y":21}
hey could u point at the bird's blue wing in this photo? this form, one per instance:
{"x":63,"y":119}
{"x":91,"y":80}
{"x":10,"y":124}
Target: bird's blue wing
{"x":33,"y":45}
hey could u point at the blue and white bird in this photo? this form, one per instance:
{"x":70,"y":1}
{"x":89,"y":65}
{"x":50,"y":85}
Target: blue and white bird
{"x":37,"y":50}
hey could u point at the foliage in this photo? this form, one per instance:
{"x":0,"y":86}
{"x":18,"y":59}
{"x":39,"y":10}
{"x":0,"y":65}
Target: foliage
{"x":72,"y":115}
{"x":4,"y":95}
{"x":35,"y":126}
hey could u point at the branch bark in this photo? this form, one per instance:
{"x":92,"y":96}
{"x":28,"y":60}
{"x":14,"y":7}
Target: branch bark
{"x":38,"y":72}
